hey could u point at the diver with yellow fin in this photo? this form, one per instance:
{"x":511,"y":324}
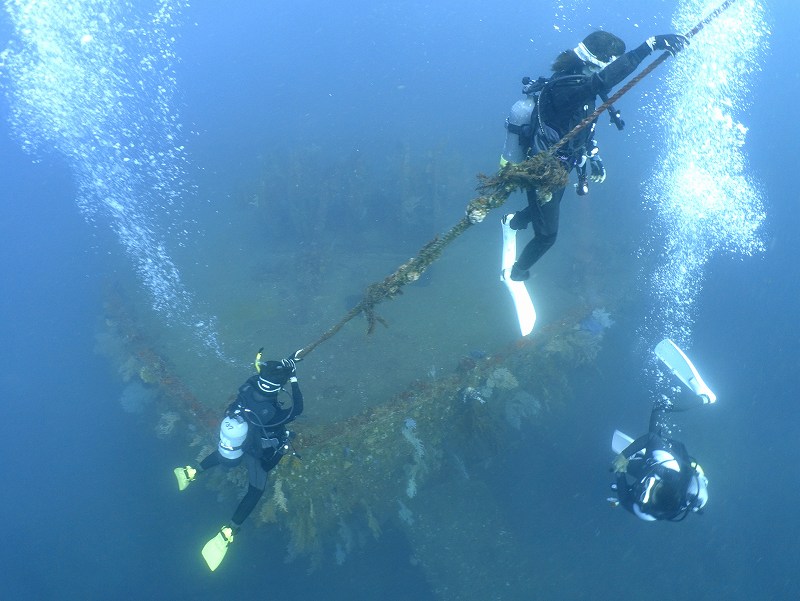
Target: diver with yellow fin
{"x":253,"y":431}
{"x":656,"y":478}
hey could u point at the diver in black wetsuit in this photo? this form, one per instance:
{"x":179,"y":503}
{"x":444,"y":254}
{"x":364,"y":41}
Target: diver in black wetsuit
{"x":554,"y":106}
{"x":657,"y":479}
{"x":254,"y":432}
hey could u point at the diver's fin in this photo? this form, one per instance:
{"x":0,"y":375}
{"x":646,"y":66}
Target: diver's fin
{"x":215,"y":549}
{"x":679,"y":364}
{"x":184,"y":476}
{"x":526,"y":314}
{"x":620,"y":441}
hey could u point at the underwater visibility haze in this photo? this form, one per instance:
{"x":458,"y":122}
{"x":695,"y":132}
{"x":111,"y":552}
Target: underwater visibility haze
{"x":184,"y":183}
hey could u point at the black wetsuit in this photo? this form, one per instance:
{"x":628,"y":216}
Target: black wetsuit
{"x":564,"y":103}
{"x":266,"y":436}
{"x":657,"y":465}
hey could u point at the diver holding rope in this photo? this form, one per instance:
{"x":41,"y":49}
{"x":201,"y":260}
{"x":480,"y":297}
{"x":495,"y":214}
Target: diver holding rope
{"x":253,"y":432}
{"x":551,"y":109}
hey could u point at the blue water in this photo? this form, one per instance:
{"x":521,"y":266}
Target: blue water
{"x":87,"y":498}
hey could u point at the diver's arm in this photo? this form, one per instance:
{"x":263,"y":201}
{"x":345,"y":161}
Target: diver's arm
{"x":297,"y":399}
{"x":621,"y":460}
{"x":235,"y":408}
{"x":640,"y":444}
{"x":620,"y":69}
{"x":624,"y":494}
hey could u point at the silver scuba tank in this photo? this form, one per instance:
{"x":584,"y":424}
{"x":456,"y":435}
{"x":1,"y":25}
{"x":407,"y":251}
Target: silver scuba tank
{"x":232,"y":433}
{"x":520,"y":115}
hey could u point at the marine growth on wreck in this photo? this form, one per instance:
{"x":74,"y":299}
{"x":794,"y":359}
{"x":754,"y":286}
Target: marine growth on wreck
{"x":352,"y":473}
{"x":347,"y":478}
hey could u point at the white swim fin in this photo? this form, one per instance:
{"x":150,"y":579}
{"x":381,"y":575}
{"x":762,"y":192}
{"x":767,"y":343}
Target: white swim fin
{"x":678,"y":363}
{"x":526,"y":314}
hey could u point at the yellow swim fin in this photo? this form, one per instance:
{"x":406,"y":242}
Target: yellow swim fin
{"x":184,"y":476}
{"x":215,"y":549}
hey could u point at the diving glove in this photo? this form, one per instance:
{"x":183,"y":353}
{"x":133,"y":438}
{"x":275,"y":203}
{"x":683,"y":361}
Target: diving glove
{"x":597,"y":170}
{"x":670,"y":42}
{"x":620,"y":464}
{"x":185,"y":475}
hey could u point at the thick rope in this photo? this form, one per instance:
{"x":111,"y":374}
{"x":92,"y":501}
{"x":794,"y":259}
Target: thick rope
{"x":392,"y":285}
{"x":542,"y":171}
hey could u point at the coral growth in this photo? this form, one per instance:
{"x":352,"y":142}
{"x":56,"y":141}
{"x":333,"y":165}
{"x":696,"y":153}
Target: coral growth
{"x":411,"y":484}
{"x":409,"y":433}
{"x":417,"y":467}
{"x":136,"y":397}
{"x":148,"y":375}
{"x":405,"y":513}
{"x":575,"y":347}
{"x":597,"y":322}
{"x":372,"y":523}
{"x":303,"y":536}
{"x":166,"y":424}
{"x":278,"y":498}
{"x":353,"y":471}
{"x":500,"y":379}
{"x":522,"y":405}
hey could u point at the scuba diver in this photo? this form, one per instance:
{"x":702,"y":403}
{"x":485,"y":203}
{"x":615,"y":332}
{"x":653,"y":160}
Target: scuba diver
{"x":656,"y":478}
{"x":254,"y":432}
{"x":553,"y":107}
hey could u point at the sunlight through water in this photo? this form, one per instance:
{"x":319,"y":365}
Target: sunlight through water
{"x":702,"y":196}
{"x":93,"y":81}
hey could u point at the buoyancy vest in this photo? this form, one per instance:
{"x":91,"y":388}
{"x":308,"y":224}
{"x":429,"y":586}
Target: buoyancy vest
{"x":533,"y":132}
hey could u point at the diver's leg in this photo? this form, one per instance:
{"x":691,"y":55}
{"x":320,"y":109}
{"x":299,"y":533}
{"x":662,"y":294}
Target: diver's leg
{"x":257,"y":482}
{"x":544,"y":218}
{"x":213,"y":460}
{"x":269,"y":462}
{"x":687,"y":400}
{"x":522,"y":218}
{"x":657,"y":424}
{"x":186,"y":474}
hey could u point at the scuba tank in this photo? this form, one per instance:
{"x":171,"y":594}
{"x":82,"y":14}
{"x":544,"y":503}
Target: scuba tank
{"x":232,"y":433}
{"x":518,"y":127}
